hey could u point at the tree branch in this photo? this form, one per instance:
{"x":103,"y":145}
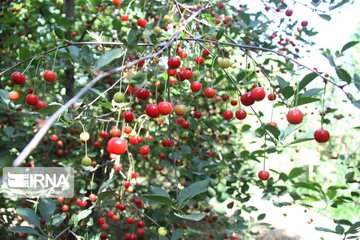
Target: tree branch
{"x":53,"y":118}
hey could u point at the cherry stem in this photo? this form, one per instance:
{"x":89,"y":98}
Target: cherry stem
{"x":323,"y":106}
{"x":36,"y":73}
{"x":57,"y":49}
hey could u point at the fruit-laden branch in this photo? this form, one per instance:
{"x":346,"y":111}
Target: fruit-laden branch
{"x":53,"y":118}
{"x":243,"y":47}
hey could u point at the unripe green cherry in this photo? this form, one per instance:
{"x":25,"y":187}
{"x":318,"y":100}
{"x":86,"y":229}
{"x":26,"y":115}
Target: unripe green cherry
{"x":86,"y":161}
{"x":224,"y":63}
{"x":162,"y":231}
{"x":59,"y":3}
{"x":119,"y":97}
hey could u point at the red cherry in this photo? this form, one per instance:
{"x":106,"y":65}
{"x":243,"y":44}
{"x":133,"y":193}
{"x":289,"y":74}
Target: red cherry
{"x":117,"y":166}
{"x":32,"y":99}
{"x":263,"y":175}
{"x":111,"y":214}
{"x":199,"y":60}
{"x":171,"y":72}
{"x":210,"y":92}
{"x":103,"y":236}
{"x":128,"y":116}
{"x":228,"y":114}
{"x":142,"y":22}
{"x":124,"y":18}
{"x":174,"y":62}
{"x":104,"y":134}
{"x":101,"y":221}
{"x":321,"y":135}
{"x":104,"y":226}
{"x":196,"y":86}
{"x":92,"y":197}
{"x":258,"y":93}
{"x":288,"y":12}
{"x":145,"y":150}
{"x":142,"y":93}
{"x":240,"y":114}
{"x":130,"y":220}
{"x":304,"y":23}
{"x":133,"y":140}
{"x":162,"y":155}
{"x":164,"y":108}
{"x":115,"y":132}
{"x":205,"y":52}
{"x":188,"y":74}
{"x":152,"y":111}
{"x":197,"y":114}
{"x":185,"y":125}
{"x":116,"y":3}
{"x":273,"y":124}
{"x":120,"y":206}
{"x":247,"y":99}
{"x":180,"y":120}
{"x":233,"y":102}
{"x":134,"y":175}
{"x":271,"y":96}
{"x":140,"y":224}
{"x":294,"y":116}
{"x":117,"y":146}
{"x":54,"y":137}
{"x":65,"y":208}
{"x":140,"y":232}
{"x":49,"y":76}
{"x":18,"y":78}
{"x":40,"y":105}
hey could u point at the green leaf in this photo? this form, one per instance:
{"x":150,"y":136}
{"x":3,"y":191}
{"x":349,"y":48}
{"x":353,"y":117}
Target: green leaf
{"x":261,"y":216}
{"x":312,"y":92}
{"x":104,"y":185}
{"x":354,"y":228}
{"x":356,"y":103}
{"x":286,"y":90}
{"x":193,"y":190}
{"x":24,"y":229}
{"x":307,"y":136}
{"x":47,"y":208}
{"x":349,"y":177}
{"x":220,"y":33}
{"x":106,"y":105}
{"x":332,"y":7}
{"x":177,"y":234}
{"x":343,"y":75}
{"x":339,"y":229}
{"x":58,"y":219}
{"x":273,"y":130}
{"x":134,"y":36}
{"x":50,"y":109}
{"x":295,"y":172}
{"x":306,"y":100}
{"x":306,"y":80}
{"x":159,"y":191}
{"x":331,"y":193}
{"x":325,"y":16}
{"x":59,"y":32}
{"x":108,"y":57}
{"x":24,"y":53}
{"x":322,"y":229}
{"x":357,"y":81}
{"x":29,"y":215}
{"x":158,"y":199}
{"x":349,"y":45}
{"x":103,"y":195}
{"x":193,"y":217}
{"x":84,"y":214}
